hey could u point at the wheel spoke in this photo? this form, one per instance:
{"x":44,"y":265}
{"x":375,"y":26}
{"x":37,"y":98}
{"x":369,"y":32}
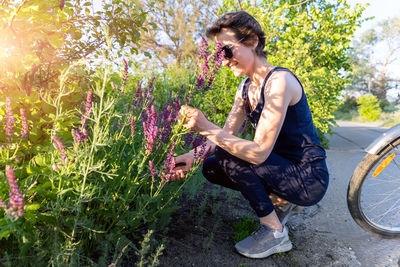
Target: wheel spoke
{"x":380,"y":197}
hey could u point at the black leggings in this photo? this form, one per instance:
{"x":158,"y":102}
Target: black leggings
{"x":301,"y":184}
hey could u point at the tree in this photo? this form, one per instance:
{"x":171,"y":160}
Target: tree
{"x":173,"y":27}
{"x":41,"y":38}
{"x":370,"y":68}
{"x":360,"y":56}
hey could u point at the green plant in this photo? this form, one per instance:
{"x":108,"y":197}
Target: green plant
{"x":347,"y":116}
{"x":104,"y":186}
{"x":244,"y":228}
{"x":369,"y":107}
{"x":84,"y":193}
{"x":348,"y":104}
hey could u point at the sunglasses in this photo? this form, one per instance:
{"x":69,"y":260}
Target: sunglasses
{"x":228,"y":49}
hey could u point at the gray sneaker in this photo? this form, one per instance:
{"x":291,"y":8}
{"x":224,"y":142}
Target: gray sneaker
{"x":264,"y":242}
{"x":285,"y":212}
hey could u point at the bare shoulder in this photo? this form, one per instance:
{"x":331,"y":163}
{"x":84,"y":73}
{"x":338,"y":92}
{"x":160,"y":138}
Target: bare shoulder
{"x":284,"y":83}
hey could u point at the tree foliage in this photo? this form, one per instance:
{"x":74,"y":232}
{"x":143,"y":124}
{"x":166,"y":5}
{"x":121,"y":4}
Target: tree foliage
{"x":41,"y":38}
{"x":173,"y":28}
{"x":43,"y":41}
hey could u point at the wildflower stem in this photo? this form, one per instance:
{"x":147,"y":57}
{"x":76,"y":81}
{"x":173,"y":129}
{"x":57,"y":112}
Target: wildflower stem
{"x":90,"y":158}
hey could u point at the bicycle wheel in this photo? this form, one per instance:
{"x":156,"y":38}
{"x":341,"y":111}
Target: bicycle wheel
{"x":373,"y":194}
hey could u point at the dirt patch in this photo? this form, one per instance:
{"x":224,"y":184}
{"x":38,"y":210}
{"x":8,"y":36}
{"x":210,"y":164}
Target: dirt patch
{"x":201,"y":234}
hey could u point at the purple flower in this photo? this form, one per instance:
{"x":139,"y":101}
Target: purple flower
{"x":132,"y":126}
{"x":88,"y":108}
{"x":197,"y":141}
{"x":9,"y":120}
{"x":82,"y":135}
{"x":153,"y":170}
{"x":150,"y":129}
{"x":210,"y":81}
{"x":219,"y":56}
{"x":113,"y":85}
{"x":124,"y":75}
{"x":149,"y":89}
{"x":208,"y":65}
{"x":203,"y":49}
{"x":60,"y":147}
{"x":203,"y":149}
{"x":188,"y":139}
{"x":16,"y":201}
{"x":138,"y":95}
{"x":169,"y":163}
{"x":200,"y":81}
{"x":25,"y":126}
{"x":205,"y":68}
{"x":199,"y":145}
{"x":188,"y":98}
{"x":168,"y":117}
{"x":78,"y":137}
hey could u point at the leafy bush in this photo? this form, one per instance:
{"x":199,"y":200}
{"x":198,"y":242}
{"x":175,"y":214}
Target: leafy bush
{"x":349,"y":104}
{"x":346,"y":116}
{"x":386,"y":106}
{"x":347,"y":110}
{"x":369,"y":107}
{"x":95,"y":195}
{"x":104,"y":185}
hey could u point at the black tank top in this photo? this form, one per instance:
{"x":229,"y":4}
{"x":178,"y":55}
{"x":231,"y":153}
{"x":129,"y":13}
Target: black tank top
{"x":297,"y":140}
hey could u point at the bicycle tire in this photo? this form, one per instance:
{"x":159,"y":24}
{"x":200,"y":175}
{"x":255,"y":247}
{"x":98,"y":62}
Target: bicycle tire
{"x":354,"y":193}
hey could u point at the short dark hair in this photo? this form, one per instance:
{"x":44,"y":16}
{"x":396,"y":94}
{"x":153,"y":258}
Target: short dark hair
{"x":243,"y":25}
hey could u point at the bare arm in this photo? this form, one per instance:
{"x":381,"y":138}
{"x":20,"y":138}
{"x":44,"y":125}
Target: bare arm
{"x":234,"y":120}
{"x":279,"y":93}
{"x":232,"y":125}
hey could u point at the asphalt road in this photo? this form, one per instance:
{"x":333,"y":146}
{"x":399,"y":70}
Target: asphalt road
{"x":351,"y":245}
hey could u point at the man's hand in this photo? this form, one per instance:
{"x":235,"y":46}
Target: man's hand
{"x":183,"y":163}
{"x":195,"y":119}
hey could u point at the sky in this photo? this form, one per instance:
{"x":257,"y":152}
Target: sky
{"x":380,"y":9}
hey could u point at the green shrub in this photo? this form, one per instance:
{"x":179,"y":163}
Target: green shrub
{"x":346,"y":116}
{"x":94,"y":200}
{"x":369,"y":107}
{"x":349,"y":104}
{"x":103,"y":189}
{"x":388,"y":107}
